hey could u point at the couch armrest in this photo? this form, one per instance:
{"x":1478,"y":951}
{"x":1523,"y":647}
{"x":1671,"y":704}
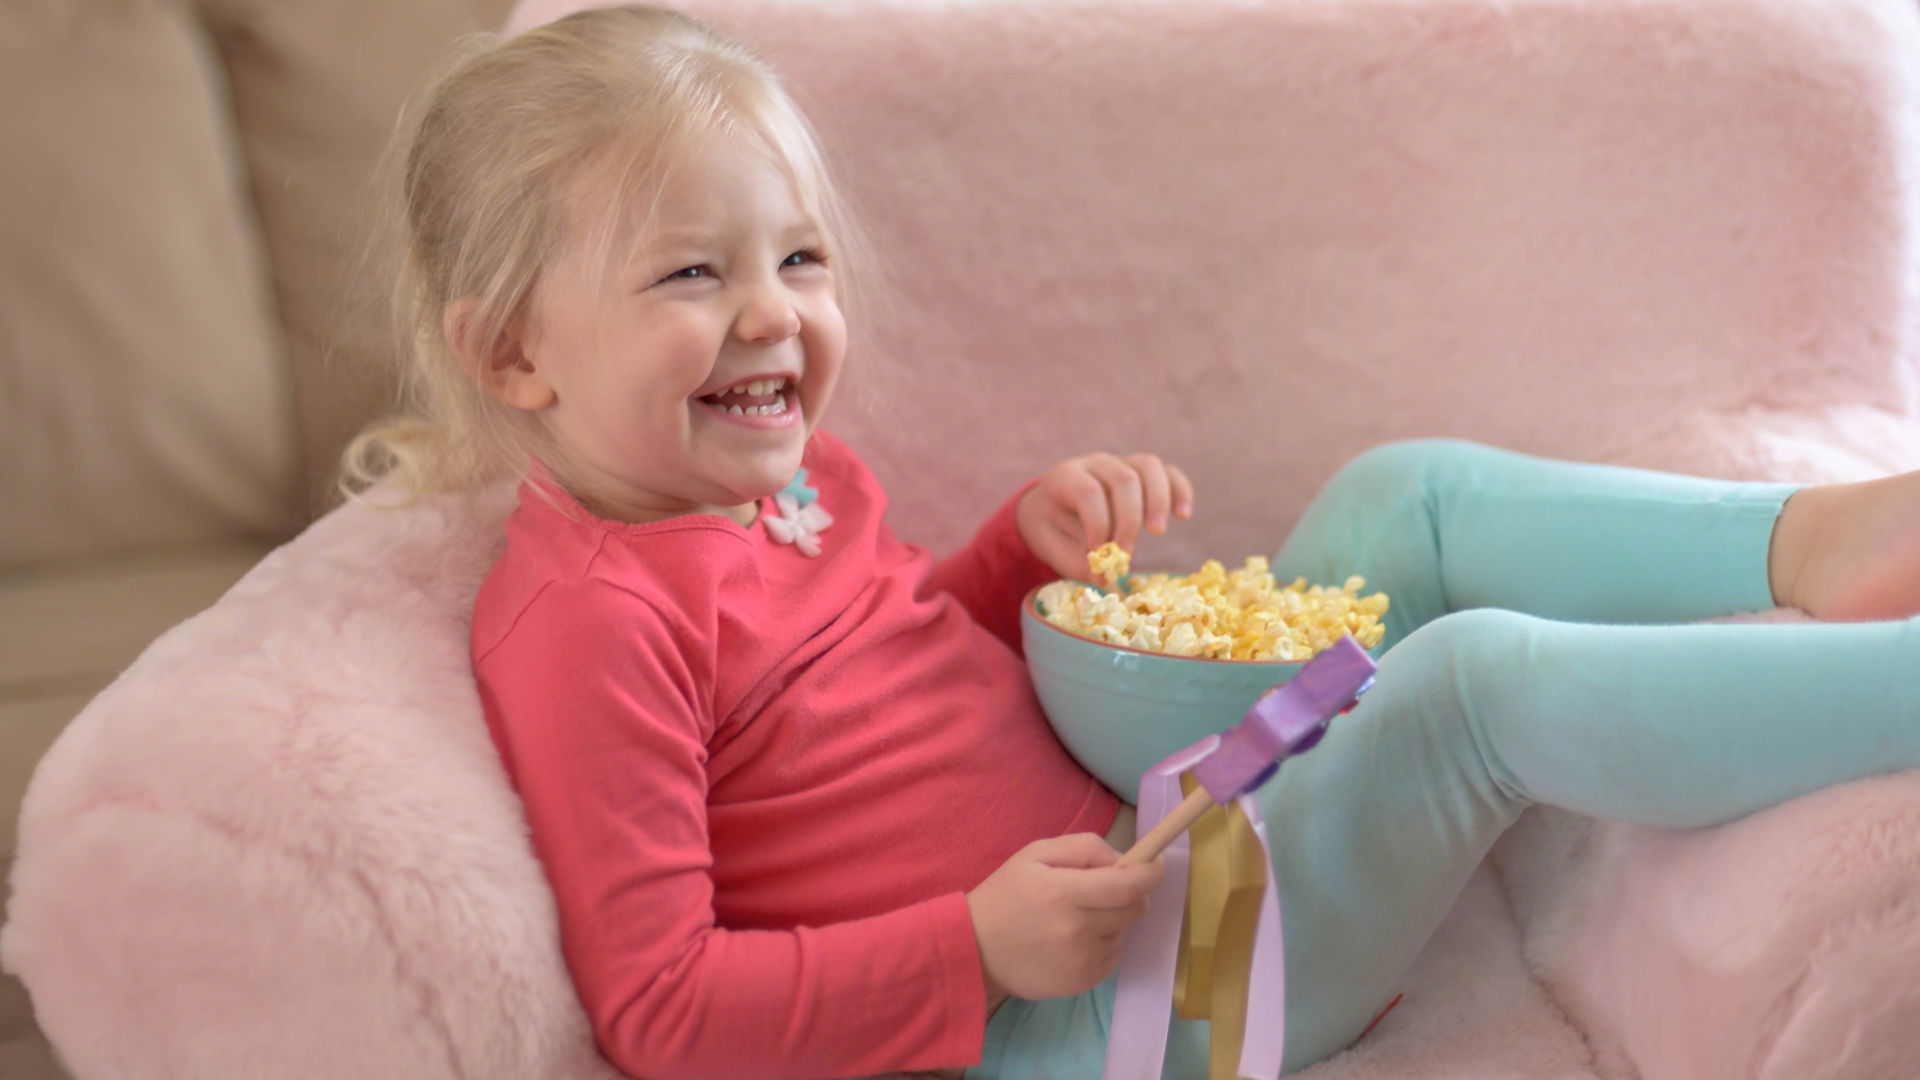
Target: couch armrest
{"x":1778,"y":947}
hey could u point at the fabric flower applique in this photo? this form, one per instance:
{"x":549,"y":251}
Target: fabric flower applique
{"x":801,"y":518}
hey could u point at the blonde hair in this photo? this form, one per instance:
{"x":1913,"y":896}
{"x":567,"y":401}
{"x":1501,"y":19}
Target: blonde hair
{"x":503,"y":148}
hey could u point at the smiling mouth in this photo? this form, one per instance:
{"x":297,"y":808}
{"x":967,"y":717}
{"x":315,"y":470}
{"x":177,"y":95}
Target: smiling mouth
{"x":758,"y":397}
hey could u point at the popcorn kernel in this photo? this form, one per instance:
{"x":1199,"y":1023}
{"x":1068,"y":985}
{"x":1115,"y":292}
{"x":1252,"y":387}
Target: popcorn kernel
{"x":1109,"y":562}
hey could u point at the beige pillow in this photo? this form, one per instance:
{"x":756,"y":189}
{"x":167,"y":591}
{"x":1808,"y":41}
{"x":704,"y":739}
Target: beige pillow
{"x":317,"y":89}
{"x":142,"y":397}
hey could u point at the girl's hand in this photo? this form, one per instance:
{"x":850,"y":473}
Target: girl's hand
{"x":1086,"y":501}
{"x":1051,"y":920}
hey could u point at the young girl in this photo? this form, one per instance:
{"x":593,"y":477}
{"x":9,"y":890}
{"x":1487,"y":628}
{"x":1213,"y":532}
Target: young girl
{"x":799,"y":807}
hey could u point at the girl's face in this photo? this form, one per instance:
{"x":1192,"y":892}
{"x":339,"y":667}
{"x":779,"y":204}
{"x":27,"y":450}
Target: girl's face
{"x":686,"y":376}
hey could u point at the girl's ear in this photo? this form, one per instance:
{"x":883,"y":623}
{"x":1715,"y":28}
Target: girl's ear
{"x":497,"y":361}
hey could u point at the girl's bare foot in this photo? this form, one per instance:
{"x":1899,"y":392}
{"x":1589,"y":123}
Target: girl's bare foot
{"x":1850,"y":552}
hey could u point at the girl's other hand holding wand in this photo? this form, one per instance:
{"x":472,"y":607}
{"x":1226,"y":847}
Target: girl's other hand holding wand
{"x":1050,"y":921}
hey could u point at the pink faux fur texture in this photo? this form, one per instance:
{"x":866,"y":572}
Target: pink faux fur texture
{"x":281,"y":844}
{"x":1784,"y":946}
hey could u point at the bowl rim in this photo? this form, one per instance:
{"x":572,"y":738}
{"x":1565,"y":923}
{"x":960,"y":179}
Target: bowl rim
{"x":1029,"y":609}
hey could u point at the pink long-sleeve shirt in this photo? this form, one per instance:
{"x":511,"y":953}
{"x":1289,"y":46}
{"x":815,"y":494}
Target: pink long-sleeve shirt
{"x":761,"y":782}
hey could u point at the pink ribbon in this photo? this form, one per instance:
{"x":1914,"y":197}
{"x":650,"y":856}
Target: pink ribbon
{"x":1143,"y":1002}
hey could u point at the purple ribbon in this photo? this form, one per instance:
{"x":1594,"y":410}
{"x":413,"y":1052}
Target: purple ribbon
{"x":1288,"y":720}
{"x":1143,"y":1001}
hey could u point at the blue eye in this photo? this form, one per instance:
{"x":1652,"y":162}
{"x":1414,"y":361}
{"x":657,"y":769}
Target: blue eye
{"x":688,"y":273}
{"x":802,"y":258}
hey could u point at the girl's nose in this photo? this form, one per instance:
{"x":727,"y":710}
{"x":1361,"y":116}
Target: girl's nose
{"x":769,"y":317}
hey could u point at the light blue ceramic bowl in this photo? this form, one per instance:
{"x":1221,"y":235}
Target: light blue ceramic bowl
{"x":1120,"y":710}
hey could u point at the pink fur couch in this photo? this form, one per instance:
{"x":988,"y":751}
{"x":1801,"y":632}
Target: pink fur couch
{"x":1253,"y":237}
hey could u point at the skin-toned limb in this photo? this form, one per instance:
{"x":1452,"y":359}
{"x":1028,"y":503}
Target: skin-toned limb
{"x":1084,"y":502}
{"x":1051,"y":919}
{"x":1850,"y":552}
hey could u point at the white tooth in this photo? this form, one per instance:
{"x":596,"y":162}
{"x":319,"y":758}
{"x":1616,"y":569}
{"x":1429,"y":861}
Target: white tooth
{"x":778,"y":407}
{"x":758,"y":386}
{"x":736,"y":410}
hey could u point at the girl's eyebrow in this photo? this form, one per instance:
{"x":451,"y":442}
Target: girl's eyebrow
{"x":672,"y":241}
{"x":668,"y":246}
{"x":675,"y":238}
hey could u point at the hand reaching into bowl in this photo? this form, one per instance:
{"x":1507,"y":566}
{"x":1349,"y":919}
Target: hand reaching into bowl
{"x":1088,"y":501}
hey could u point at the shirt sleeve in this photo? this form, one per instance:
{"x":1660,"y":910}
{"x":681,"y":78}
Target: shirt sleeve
{"x":602,"y":715}
{"x":991,"y":575}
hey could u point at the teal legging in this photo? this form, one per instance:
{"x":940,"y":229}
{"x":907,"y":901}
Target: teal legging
{"x":1528,"y":663}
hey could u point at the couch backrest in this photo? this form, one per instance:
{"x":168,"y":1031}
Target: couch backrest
{"x":1252,"y":237}
{"x":142,"y":364}
{"x":1258,"y":237}
{"x":182,"y":347}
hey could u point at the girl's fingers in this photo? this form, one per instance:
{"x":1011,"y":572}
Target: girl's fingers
{"x":1156,"y":491}
{"x":1102,"y":497}
{"x":1116,"y":888}
{"x":1124,"y":498}
{"x":1075,"y":851}
{"x":1090,"y":503}
{"x":1063,"y":551}
{"x":1182,"y":492}
{"x":1114,"y":923}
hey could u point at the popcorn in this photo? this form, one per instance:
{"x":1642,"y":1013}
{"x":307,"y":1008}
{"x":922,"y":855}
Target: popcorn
{"x":1228,"y":615}
{"x":1110,"y":562}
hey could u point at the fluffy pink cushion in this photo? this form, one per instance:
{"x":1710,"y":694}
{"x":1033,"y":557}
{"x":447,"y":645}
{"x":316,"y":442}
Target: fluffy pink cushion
{"x":1784,"y":946}
{"x":281,"y":843}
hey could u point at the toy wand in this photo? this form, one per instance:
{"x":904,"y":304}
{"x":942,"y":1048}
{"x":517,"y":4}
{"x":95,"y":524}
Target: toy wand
{"x":1289,"y":719}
